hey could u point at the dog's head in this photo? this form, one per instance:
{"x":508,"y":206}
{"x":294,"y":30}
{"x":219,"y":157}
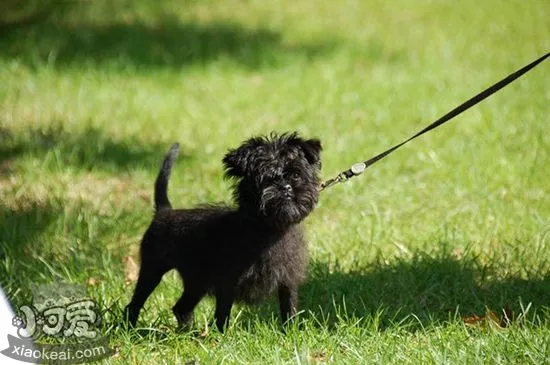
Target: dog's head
{"x":277,"y":177}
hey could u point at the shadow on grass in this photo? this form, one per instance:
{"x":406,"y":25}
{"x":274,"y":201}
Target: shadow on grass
{"x":48,"y":239}
{"x":164,"y":42}
{"x":432,"y":289}
{"x":20,"y":231}
{"x":90,"y":149}
{"x":16,"y":13}
{"x":417,"y":293}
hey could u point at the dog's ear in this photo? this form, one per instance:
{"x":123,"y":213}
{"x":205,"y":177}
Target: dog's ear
{"x":312,"y":150}
{"x":238,"y":162}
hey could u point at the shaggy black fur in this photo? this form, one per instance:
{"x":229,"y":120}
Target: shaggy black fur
{"x":244,"y":253}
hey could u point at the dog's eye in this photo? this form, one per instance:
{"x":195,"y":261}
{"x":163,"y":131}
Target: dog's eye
{"x":269,"y":180}
{"x":295,"y":175}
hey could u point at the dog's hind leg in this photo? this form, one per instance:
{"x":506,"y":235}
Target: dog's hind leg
{"x":150,"y":275}
{"x":183,"y":310}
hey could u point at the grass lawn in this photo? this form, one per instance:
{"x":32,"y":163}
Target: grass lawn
{"x":402,"y":259}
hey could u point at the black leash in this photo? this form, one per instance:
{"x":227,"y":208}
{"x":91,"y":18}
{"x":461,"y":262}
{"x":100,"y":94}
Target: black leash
{"x":360,"y":167}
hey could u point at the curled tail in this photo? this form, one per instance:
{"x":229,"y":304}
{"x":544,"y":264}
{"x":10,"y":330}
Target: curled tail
{"x":161,"y":184}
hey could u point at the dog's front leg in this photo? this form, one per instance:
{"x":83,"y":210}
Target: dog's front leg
{"x":224,"y":301}
{"x":288,"y":301}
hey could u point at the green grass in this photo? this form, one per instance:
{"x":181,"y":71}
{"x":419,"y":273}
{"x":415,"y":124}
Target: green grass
{"x":455,"y":224}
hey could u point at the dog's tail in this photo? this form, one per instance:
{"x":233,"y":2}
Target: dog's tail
{"x":161,"y":184}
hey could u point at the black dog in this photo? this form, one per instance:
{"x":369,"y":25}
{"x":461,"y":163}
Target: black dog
{"x":244,"y":253}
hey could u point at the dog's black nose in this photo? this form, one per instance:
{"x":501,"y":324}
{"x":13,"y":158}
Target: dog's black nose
{"x":288,"y":188}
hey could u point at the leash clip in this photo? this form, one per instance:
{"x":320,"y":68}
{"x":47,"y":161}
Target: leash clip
{"x":356,"y":169}
{"x":338,"y":179}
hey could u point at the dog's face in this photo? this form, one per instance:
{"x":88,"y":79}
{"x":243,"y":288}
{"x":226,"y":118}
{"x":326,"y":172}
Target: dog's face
{"x":277,"y":177}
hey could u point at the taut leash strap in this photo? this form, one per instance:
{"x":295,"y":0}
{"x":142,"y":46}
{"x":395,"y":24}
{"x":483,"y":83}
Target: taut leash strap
{"x":359,"y":168}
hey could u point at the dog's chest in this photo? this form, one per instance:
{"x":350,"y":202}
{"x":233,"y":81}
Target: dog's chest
{"x":283,"y":261}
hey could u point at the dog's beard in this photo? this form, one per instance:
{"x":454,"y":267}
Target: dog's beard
{"x":283,"y":210}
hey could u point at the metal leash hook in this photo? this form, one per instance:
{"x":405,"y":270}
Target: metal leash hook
{"x":355,"y":170}
{"x":330,"y":182}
